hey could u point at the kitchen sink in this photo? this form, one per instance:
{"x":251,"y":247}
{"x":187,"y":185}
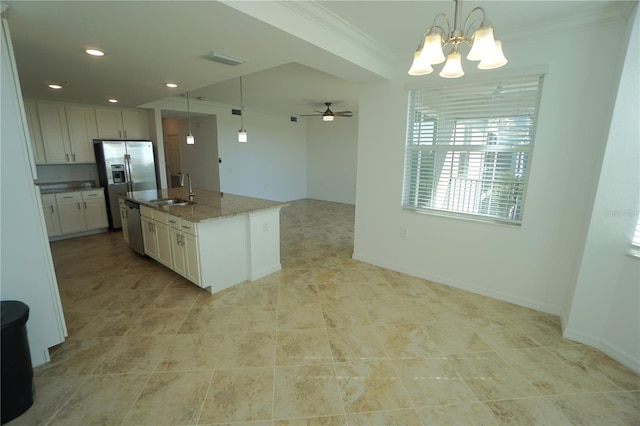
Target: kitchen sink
{"x":171,"y":202}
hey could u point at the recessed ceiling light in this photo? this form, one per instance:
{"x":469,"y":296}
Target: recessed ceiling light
{"x":55,"y":86}
{"x":171,"y":85}
{"x":113,"y":100}
{"x":94,"y":52}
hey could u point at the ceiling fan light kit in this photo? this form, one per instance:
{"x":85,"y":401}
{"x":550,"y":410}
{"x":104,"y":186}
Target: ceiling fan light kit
{"x":484,"y":47}
{"x":328,"y":115}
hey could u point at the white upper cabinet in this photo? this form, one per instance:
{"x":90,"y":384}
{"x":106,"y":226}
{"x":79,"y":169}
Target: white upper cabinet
{"x":121,"y":124}
{"x":35,"y":133}
{"x":67,"y":133}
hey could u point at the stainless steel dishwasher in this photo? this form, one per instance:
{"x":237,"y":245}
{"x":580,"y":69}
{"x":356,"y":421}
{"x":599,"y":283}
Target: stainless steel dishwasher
{"x":135,"y":227}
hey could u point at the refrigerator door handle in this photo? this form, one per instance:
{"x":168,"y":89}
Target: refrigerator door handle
{"x":127,"y":160}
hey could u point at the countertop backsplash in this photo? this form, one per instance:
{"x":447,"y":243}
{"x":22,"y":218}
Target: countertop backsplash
{"x":53,"y":173}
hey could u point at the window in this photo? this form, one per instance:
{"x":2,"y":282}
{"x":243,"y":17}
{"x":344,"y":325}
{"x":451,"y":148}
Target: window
{"x":469,"y":148}
{"x":635,"y":242}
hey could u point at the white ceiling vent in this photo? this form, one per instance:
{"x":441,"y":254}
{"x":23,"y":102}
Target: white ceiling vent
{"x":223,"y":59}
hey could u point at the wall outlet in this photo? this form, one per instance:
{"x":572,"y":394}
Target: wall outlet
{"x":403,"y":232}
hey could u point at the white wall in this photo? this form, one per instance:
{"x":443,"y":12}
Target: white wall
{"x":530,"y":265}
{"x":272,"y":165}
{"x":26,"y":267}
{"x":604,"y":305}
{"x":332,"y":149}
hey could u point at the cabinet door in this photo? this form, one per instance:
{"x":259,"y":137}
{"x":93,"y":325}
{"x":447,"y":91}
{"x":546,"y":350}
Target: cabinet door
{"x":109,"y":123}
{"x":71,"y":217}
{"x":135,"y":125}
{"x":148,"y":237}
{"x":79,"y":139}
{"x":53,"y":124}
{"x":191,"y":258}
{"x":177,"y":251}
{"x":51,"y":219}
{"x":95,"y":213}
{"x":164,"y":243}
{"x":35,"y":133}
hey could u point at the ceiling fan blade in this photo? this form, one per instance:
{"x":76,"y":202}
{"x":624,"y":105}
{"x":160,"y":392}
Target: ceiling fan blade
{"x":310,"y":115}
{"x":320,"y":112}
{"x":343,"y":112}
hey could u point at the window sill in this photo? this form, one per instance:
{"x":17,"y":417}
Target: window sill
{"x":634,"y":252}
{"x":466,"y":217}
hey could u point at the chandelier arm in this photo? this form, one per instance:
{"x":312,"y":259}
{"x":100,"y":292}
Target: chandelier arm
{"x":431,"y":28}
{"x":466,"y":21}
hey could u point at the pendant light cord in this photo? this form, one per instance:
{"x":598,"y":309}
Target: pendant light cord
{"x":241,"y":106}
{"x":188,"y":113}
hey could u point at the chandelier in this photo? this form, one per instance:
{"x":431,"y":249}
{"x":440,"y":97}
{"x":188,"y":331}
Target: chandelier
{"x":477,"y":33}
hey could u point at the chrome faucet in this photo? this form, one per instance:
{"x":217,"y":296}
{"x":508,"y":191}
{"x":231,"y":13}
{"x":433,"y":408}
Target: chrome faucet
{"x":191,"y":194}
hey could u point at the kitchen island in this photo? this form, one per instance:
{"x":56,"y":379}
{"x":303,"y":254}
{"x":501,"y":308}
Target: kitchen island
{"x":213,"y":239}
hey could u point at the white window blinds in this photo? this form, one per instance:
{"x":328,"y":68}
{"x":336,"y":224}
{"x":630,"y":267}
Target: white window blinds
{"x":469,"y":148}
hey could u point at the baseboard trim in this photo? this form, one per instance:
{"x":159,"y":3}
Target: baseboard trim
{"x":602,"y":345}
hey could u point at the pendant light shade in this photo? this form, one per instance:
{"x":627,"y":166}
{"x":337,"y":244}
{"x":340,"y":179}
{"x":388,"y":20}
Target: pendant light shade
{"x":494,"y":60}
{"x":190,"y":139}
{"x":242,"y":133}
{"x":432,"y":50}
{"x":483,"y":46}
{"x":420,"y":66}
{"x":453,"y":67}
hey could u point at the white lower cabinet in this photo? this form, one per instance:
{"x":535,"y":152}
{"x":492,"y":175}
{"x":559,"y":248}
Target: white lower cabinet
{"x":155,"y":235}
{"x":75,"y":212}
{"x":51,"y":216}
{"x":184,"y":249}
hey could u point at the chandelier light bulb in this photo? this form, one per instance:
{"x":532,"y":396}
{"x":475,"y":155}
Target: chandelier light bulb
{"x":420,"y":66}
{"x":484,"y":45}
{"x":432,"y":50}
{"x":495,"y":60}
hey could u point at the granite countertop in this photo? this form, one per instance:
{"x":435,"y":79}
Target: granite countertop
{"x":208,"y":205}
{"x":60,"y":187}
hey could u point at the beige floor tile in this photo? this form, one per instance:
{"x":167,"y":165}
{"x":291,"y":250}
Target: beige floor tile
{"x":501,"y":334}
{"x":154,"y":280}
{"x":385,"y":418}
{"x":332,"y":292}
{"x":490,"y":378}
{"x":51,"y":394}
{"x":241,"y":395}
{"x":206,"y":320}
{"x":477,"y":414}
{"x":87,"y":300}
{"x":370,"y":386}
{"x":133,"y":299}
{"x":627,"y":406}
{"x":541,"y":328}
{"x":253,"y":318}
{"x":306,"y":391}
{"x":433,"y":381}
{"x":102,"y":399}
{"x":590,"y":409}
{"x":192,"y":352}
{"x":173,"y":298}
{"x":296,"y":347}
{"x":134,"y":354}
{"x":355,"y":343}
{"x":602,"y":371}
{"x":298,"y":317}
{"x":429,"y":311}
{"x":407,"y":340}
{"x":224,"y":299}
{"x":529,"y":411}
{"x":390,"y":312}
{"x":548,"y":374}
{"x":250,"y":349}
{"x":171,"y":398}
{"x":110,"y":323}
{"x":256,"y":294}
{"x":153,"y":322}
{"x":313,"y":421}
{"x":458,"y":336}
{"x":76,"y":320}
{"x":80,"y":355}
{"x":344,"y":312}
{"x":297,"y":294}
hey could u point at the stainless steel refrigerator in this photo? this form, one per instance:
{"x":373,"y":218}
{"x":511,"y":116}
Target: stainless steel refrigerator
{"x":124,"y":166}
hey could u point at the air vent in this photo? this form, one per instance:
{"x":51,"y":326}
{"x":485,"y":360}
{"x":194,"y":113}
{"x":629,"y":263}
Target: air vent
{"x":223,"y":59}
{"x":294,"y":119}
{"x":236,"y":112}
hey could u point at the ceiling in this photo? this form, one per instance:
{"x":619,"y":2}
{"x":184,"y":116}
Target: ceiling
{"x":299,"y":54}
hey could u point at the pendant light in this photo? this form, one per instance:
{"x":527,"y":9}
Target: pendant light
{"x":242,"y":133}
{"x":190,"y":139}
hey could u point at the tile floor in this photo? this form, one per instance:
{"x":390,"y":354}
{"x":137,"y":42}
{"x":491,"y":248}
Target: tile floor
{"x":326,"y":341}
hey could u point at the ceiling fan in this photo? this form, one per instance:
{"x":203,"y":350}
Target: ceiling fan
{"x":329,"y":115}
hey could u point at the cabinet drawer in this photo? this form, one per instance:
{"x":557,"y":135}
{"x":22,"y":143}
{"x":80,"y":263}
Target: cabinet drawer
{"x":48,"y":199}
{"x":146,"y":211}
{"x":174,"y":222}
{"x":189,"y":227}
{"x":68,"y":196}
{"x":94,"y":193}
{"x":161,"y":217}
